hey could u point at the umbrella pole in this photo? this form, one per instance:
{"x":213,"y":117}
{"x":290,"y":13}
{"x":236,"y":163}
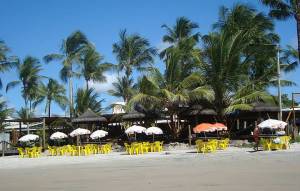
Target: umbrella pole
{"x":153,"y":137}
{"x":135,"y":136}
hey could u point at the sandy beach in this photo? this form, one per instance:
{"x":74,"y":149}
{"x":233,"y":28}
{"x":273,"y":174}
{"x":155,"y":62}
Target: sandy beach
{"x":233,"y":169}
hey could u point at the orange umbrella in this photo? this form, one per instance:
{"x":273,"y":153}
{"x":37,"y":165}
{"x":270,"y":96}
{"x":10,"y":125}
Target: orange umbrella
{"x":204,"y":127}
{"x":219,"y":126}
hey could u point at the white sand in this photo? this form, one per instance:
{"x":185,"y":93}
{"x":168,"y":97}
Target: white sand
{"x":233,"y":169}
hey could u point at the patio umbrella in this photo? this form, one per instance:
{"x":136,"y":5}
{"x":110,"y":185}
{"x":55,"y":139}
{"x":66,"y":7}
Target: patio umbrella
{"x":79,"y":131}
{"x":58,"y":135}
{"x":204,"y":127}
{"x":219,"y":126}
{"x":135,"y":129}
{"x":153,"y":131}
{"x":98,"y":134}
{"x":29,"y":137}
{"x":272,"y":124}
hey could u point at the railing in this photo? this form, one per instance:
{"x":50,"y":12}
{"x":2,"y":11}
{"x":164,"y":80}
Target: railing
{"x":7,"y":147}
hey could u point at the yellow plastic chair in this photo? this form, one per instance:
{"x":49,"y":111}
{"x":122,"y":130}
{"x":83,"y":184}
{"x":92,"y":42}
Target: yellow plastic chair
{"x":128,"y":149}
{"x":158,"y":146}
{"x":21,"y":152}
{"x":266,"y":143}
{"x":137,"y":148}
{"x":222,"y":145}
{"x":201,"y":146}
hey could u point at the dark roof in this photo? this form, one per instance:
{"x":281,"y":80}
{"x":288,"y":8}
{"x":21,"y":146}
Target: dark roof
{"x":264,"y":107}
{"x":198,"y":110}
{"x":89,"y":116}
{"x":133,"y":115}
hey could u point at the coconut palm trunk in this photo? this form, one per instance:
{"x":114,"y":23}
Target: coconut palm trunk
{"x":71,"y":96}
{"x":26,"y":107}
{"x":298,"y":31}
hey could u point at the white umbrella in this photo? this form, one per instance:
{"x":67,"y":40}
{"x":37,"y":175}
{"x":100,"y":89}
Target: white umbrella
{"x":272,"y":124}
{"x":153,"y":131}
{"x":135,"y":129}
{"x":80,"y":131}
{"x":29,"y":137}
{"x":58,"y":135}
{"x":98,"y":134}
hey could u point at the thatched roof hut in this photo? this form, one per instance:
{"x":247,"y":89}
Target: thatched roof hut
{"x":133,"y":116}
{"x":89,"y":117}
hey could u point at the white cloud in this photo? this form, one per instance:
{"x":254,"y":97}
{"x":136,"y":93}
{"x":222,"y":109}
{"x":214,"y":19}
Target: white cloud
{"x":104,"y":87}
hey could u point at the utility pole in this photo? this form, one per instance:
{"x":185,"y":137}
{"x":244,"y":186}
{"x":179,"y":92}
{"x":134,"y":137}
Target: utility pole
{"x":279,"y":84}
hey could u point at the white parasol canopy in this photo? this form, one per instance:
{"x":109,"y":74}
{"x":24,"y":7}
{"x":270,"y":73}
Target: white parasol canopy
{"x":135,"y":129}
{"x":80,"y":131}
{"x":98,"y":134}
{"x":58,"y":135}
{"x":29,"y":137}
{"x":153,"y":131}
{"x":272,"y":124}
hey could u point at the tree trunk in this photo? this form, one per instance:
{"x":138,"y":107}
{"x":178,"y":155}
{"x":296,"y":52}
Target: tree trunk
{"x":71,"y":96}
{"x":298,"y":34}
{"x":26,"y":114}
{"x":87,"y":84}
{"x":49,"y":109}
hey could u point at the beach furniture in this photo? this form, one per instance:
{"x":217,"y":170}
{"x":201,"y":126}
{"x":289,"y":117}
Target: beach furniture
{"x":21,"y":152}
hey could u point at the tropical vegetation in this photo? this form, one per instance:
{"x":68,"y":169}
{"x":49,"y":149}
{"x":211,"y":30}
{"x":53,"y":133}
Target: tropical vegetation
{"x":226,"y":70}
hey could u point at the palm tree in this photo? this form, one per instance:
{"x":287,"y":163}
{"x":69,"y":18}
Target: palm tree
{"x":70,"y":54}
{"x":53,"y":92}
{"x":181,"y":31}
{"x":285,"y":9}
{"x":92,"y":68}
{"x":6,"y":63}
{"x":124,"y":88}
{"x":87,"y":99}
{"x":167,"y":93}
{"x":226,"y":71}
{"x":4,"y":113}
{"x":29,"y":78}
{"x":24,"y":114}
{"x":182,"y":52}
{"x":289,"y":58}
{"x":133,"y":52}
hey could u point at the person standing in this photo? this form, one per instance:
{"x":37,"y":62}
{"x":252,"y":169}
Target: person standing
{"x":256,"y":137}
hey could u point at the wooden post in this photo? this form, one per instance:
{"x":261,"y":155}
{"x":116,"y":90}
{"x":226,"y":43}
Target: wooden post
{"x":20,"y":130}
{"x":190,"y":136}
{"x":44,"y":133}
{"x":3,"y":148}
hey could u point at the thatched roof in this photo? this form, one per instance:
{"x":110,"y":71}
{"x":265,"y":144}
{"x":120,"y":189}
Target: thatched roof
{"x":133,"y":115}
{"x":198,"y":110}
{"x":264,"y":107}
{"x":89,"y":116}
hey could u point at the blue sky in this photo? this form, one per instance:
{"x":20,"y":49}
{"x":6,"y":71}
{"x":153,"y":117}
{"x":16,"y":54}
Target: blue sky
{"x":37,"y":28}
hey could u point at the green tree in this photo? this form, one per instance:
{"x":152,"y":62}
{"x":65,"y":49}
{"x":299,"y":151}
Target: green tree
{"x":6,"y":63}
{"x":91,"y":67}
{"x":124,"y":88}
{"x":87,"y":99}
{"x":70,"y":54}
{"x":53,"y":92}
{"x":29,"y":78}
{"x":285,"y":9}
{"x":133,"y":52}
{"x":4,"y":113}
